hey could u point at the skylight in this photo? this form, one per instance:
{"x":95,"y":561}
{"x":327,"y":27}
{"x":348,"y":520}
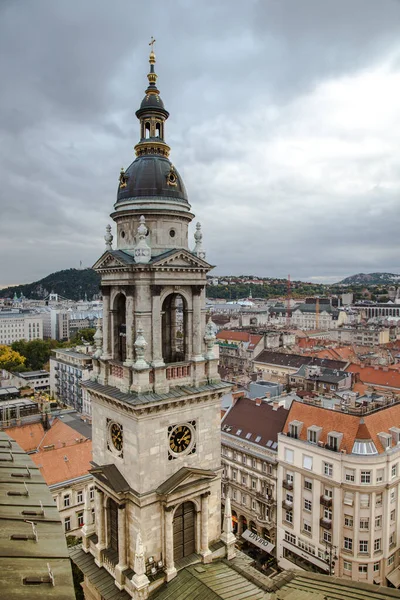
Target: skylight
{"x":248,"y":436}
{"x":258,"y":438}
{"x":239,"y":431}
{"x":364,"y":447}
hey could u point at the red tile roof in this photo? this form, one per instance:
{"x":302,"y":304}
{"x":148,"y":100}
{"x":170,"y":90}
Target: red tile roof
{"x":377,"y":376}
{"x":66,"y":463}
{"x":351,"y":426}
{"x":33,"y":435}
{"x":240,"y":336}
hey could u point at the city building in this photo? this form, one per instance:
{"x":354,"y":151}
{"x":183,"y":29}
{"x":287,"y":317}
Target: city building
{"x":63,"y":457}
{"x":313,"y":378}
{"x":237,"y":349}
{"x":278,"y":366}
{"x":18,"y":325}
{"x":338,"y":492}
{"x":383,"y":379}
{"x":38,"y":381}
{"x":34,"y":560}
{"x":67,"y":369}
{"x":362,"y":336}
{"x":55,"y":323}
{"x":249,"y":439}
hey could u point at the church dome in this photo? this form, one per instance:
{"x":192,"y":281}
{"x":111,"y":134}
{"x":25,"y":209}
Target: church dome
{"x":152,"y":176}
{"x":151,"y":101}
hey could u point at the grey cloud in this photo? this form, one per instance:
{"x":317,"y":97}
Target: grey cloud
{"x":231,"y":74}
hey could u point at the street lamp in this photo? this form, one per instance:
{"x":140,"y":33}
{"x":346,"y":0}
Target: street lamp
{"x":330,"y":555}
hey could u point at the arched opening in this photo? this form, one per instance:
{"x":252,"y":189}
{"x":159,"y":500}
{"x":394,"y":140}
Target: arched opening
{"x":119,"y":329}
{"x":158,"y":129}
{"x":252,"y":526}
{"x":113,"y":524}
{"x":242,"y":524}
{"x":147,"y":130}
{"x":234,"y":522}
{"x":184,"y":530}
{"x":174,"y":328}
{"x":266,"y":534}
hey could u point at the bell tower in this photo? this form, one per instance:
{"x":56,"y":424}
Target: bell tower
{"x":155,"y":388}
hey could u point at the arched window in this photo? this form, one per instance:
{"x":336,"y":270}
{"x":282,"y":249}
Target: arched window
{"x":174,"y":329}
{"x":119,"y":328}
{"x":147,"y":130}
{"x":158,"y":129}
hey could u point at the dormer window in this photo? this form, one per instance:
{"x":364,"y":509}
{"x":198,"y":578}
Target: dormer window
{"x":334,"y":440}
{"x":395,"y":432}
{"x":385,"y":439}
{"x":295,"y":429}
{"x":313,"y":434}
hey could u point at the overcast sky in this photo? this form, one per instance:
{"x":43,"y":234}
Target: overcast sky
{"x":285,"y":125}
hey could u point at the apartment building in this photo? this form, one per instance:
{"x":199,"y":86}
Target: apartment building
{"x":314,"y":378}
{"x":278,"y":366}
{"x":362,"y":336}
{"x":249,"y":457}
{"x":338,"y":497}
{"x":237,"y":349}
{"x":16,"y":325}
{"x":67,"y":369}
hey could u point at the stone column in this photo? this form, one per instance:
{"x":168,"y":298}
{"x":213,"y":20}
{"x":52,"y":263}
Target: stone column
{"x":122,"y":549}
{"x":106,"y":323}
{"x":114,"y":340}
{"x":129,"y":319}
{"x":157,"y":358}
{"x":100,"y":525}
{"x":88,"y":525}
{"x":170,"y":569}
{"x":204,"y":549}
{"x":196,"y":323}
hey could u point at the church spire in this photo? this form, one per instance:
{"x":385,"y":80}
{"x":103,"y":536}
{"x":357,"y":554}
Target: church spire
{"x":152,"y":115}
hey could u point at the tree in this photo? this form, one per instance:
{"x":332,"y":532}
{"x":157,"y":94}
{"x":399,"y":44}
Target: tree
{"x":36,"y":352}
{"x":10,"y":360}
{"x":86,"y":334}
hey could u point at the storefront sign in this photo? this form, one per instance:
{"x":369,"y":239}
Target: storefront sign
{"x":257,"y":541}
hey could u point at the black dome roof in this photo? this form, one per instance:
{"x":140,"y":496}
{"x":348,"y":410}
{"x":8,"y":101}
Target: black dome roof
{"x":148,"y":176}
{"x":152,"y":101}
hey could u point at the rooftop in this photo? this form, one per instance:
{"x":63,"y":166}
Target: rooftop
{"x":379,"y":376}
{"x":352,"y":427}
{"x":295,"y":361}
{"x":255,"y":421}
{"x":240,"y":336}
{"x":40,"y":552}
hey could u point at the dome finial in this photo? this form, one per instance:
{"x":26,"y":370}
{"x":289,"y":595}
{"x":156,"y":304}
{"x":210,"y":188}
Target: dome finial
{"x":152,"y":77}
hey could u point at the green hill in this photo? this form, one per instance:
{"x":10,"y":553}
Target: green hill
{"x":70,"y":283}
{"x":372,"y":279}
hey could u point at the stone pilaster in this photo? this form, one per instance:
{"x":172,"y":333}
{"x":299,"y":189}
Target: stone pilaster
{"x":122,"y":549}
{"x":100,"y":525}
{"x":130,"y":303}
{"x":170,"y":569}
{"x":196,"y":324}
{"x":227,"y":536}
{"x":88,"y":525}
{"x":204,"y":549}
{"x":158,"y":360}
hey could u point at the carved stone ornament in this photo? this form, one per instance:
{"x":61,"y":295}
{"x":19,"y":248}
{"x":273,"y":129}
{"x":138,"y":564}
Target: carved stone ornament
{"x":140,"y":349}
{"x":209,"y":339}
{"x":98,"y":339}
{"x":108,"y":238}
{"x":122,"y":179}
{"x":198,"y":237}
{"x":142,"y":251}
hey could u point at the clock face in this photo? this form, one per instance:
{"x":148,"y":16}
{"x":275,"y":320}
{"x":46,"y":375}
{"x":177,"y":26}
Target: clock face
{"x":180,"y":438}
{"x":116,"y":436}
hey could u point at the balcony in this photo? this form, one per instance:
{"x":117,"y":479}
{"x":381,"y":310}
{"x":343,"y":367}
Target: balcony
{"x":264,"y":498}
{"x":264,"y":520}
{"x":325,"y":523}
{"x":288,"y":485}
{"x":178,"y":371}
{"x":287,"y":505}
{"x":325,"y":501}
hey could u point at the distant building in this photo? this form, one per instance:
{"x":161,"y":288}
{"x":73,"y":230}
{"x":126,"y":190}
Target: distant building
{"x":277,"y":366}
{"x":16,"y":325}
{"x":313,"y":378}
{"x":237,"y":349}
{"x":362,"y":336}
{"x":67,"y":369}
{"x":55,"y":323}
{"x":38,"y":381}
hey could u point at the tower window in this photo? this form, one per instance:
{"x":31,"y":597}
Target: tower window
{"x":172,"y":233}
{"x":122,"y":234}
{"x":147,"y":130}
{"x":158,"y":130}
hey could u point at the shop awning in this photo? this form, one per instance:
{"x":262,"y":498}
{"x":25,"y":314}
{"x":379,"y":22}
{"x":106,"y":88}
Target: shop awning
{"x":394,"y":577}
{"x":255,"y":539}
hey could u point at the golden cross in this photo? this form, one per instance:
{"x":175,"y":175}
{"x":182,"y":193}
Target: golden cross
{"x":152,"y":43}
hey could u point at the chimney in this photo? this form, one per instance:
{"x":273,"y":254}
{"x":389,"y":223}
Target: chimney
{"x":258,"y":401}
{"x":275,"y":405}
